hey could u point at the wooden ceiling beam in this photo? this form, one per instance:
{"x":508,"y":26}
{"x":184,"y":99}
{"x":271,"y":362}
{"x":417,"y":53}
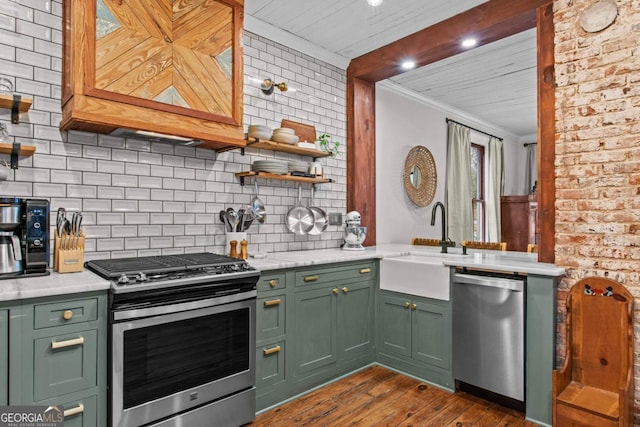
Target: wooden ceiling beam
{"x":488,"y":22}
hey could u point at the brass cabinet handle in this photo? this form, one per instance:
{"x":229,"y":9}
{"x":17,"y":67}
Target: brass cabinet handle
{"x":272,"y":350}
{"x":413,"y":306}
{"x":345,"y":289}
{"x":311,"y":278}
{"x":73,"y":411}
{"x":272,"y":302}
{"x":365,"y":270}
{"x":273,"y":283}
{"x":67,"y":343}
{"x":335,"y":291}
{"x":406,"y":305}
{"x":67,"y":315}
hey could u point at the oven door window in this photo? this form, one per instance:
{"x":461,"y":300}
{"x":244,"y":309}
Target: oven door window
{"x":170,"y":357}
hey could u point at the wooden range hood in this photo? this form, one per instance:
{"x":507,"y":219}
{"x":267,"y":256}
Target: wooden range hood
{"x":157,"y":66}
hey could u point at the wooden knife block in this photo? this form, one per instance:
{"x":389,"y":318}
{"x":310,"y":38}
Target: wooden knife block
{"x":68,"y":255}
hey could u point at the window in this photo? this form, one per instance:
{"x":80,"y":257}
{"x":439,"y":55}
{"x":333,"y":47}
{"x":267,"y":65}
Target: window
{"x":477,"y":202}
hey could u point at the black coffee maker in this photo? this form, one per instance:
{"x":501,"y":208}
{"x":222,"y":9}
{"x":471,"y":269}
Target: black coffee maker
{"x":24,"y":237}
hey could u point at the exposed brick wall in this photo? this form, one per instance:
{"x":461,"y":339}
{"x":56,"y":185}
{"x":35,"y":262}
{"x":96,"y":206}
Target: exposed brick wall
{"x":597,"y":162}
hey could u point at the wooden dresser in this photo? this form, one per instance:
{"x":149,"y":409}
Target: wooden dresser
{"x":519,"y":221}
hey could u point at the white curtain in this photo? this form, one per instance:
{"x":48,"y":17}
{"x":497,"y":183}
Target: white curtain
{"x":531,"y":168}
{"x":459,"y":184}
{"x":495,"y":188}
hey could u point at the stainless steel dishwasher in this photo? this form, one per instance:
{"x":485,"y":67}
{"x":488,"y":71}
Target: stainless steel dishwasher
{"x":488,"y":331}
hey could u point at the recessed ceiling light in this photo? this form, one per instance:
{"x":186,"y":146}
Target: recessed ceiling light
{"x":375,"y":3}
{"x":469,"y":42}
{"x":407,"y":65}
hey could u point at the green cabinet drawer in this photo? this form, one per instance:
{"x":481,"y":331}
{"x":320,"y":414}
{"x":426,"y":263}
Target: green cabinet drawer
{"x":319,"y":276}
{"x":81,"y":413}
{"x":270,"y":365}
{"x":270,"y":282}
{"x":48,"y":315}
{"x":64,"y":364}
{"x":270,"y":317}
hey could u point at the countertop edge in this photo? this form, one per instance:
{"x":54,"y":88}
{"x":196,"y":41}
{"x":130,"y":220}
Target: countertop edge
{"x":54,"y":284}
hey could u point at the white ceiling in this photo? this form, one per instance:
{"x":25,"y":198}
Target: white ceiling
{"x":495,"y":84}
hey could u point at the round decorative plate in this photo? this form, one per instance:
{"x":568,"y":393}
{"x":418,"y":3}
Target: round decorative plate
{"x":420,"y":176}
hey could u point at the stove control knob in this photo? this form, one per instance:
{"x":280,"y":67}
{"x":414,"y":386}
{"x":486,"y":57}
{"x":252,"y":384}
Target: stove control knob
{"x":123,"y":279}
{"x":141,"y":277}
{"x":234,"y":267}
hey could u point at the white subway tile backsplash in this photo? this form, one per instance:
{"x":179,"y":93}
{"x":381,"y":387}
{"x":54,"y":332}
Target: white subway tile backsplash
{"x":49,"y":190}
{"x":96,"y":152}
{"x":108,"y":166}
{"x":149,"y":230}
{"x":161,"y":242}
{"x":96,"y":205}
{"x":110,"y":244}
{"x":81,"y":164}
{"x":141,"y":198}
{"x":92,"y":178}
{"x":136,"y":218}
{"x":124,"y":231}
{"x":137,"y":193}
{"x":124,"y":206}
{"x":111,"y":192}
{"x":124,"y":180}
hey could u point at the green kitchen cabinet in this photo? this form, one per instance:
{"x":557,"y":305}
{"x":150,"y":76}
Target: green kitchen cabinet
{"x":313,"y":325}
{"x":272,"y":325}
{"x":57,"y":355}
{"x":414,"y":335}
{"x":4,"y":356}
{"x":334,"y":319}
{"x":315,"y":337}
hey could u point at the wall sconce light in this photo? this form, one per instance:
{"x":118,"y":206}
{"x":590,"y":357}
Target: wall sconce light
{"x":267,"y":86}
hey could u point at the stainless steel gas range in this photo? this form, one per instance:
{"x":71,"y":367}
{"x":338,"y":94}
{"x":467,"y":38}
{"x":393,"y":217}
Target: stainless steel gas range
{"x":181,"y":340}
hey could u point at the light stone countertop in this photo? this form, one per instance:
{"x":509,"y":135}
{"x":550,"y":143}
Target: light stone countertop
{"x":86,"y":281}
{"x":509,"y":262}
{"x":54,"y":284}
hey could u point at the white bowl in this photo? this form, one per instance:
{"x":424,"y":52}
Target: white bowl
{"x":284,"y":138}
{"x":284,"y":130}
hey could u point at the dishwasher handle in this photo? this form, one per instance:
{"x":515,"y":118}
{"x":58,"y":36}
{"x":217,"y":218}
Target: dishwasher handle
{"x":516,"y":285}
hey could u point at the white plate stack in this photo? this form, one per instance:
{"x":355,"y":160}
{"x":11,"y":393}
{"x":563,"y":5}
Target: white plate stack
{"x":285,"y":136}
{"x":298,"y":166}
{"x":271,"y":166}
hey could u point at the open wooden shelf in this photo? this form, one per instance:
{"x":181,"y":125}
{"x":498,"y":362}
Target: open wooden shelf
{"x":6,"y":101}
{"x":266,"y":175}
{"x":25,"y":150}
{"x":285,"y":148}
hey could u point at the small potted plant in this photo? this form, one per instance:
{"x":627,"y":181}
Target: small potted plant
{"x":325,"y":143}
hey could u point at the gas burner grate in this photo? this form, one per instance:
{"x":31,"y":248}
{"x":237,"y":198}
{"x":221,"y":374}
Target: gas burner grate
{"x":114,"y":268}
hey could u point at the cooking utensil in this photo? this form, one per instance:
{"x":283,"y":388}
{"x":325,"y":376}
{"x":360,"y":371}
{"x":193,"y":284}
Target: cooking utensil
{"x":76,"y":224}
{"x":258,"y":207}
{"x":299,"y":219}
{"x":249,"y":216}
{"x":320,"y":222}
{"x":232,"y":218}
{"x":241,"y":214}
{"x":61,"y":217}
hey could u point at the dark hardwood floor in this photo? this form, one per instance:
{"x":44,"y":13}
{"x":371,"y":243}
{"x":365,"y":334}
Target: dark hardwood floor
{"x":377,"y":396}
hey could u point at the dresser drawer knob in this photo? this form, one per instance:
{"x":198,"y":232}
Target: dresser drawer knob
{"x":272,"y":302}
{"x":67,"y":315}
{"x":74,"y":411}
{"x":272,"y":350}
{"x":68,"y":343}
{"x":273,"y":283}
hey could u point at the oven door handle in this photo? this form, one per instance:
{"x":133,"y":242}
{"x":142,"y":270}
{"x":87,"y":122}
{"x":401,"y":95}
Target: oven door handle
{"x":181,"y":307}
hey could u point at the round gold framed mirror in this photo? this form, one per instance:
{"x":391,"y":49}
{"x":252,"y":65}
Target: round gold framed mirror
{"x":419,"y":176}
